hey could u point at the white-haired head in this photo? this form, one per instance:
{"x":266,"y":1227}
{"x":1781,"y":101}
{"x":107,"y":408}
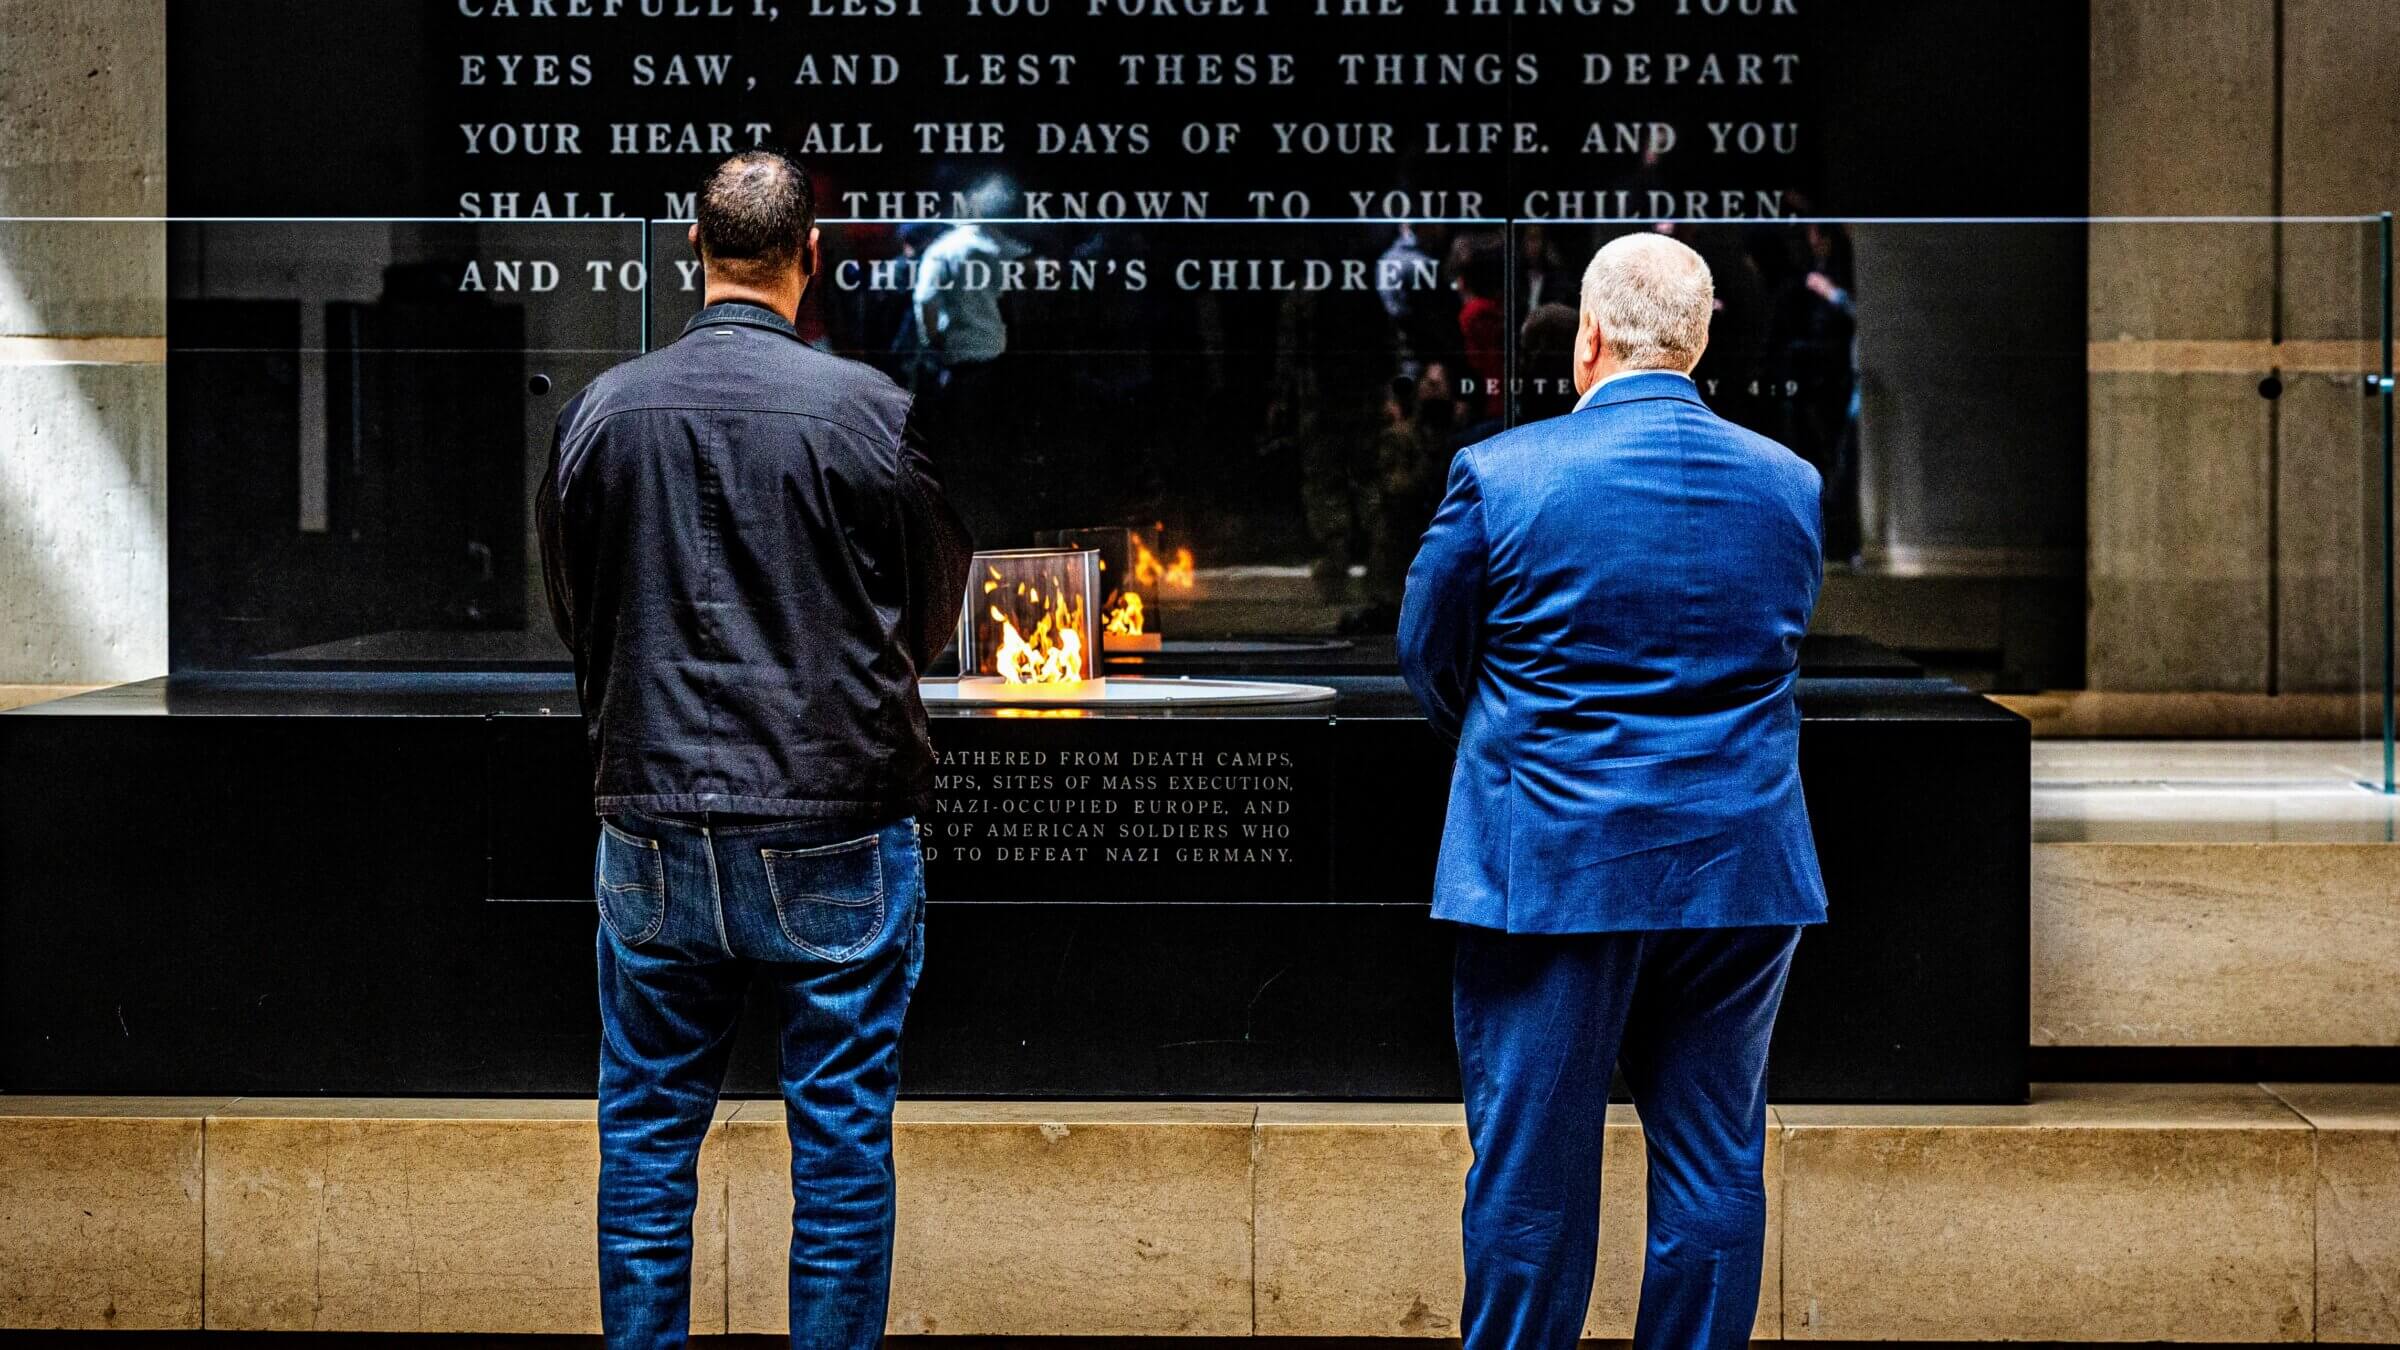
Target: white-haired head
{"x":1646,"y":305}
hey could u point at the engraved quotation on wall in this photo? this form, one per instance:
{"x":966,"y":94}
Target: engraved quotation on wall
{"x":1141,"y":109}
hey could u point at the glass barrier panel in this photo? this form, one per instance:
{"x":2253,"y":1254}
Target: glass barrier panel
{"x":2380,"y":651}
{"x":2133,"y":463}
{"x":1235,"y":393}
{"x":361,"y":414}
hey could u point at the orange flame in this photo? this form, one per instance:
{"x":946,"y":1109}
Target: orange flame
{"x":1053,"y":653}
{"x":1148,"y":570}
{"x":1124,"y":619}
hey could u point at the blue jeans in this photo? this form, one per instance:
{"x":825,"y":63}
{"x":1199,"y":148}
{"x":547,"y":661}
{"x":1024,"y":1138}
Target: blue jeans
{"x":1687,"y":1014}
{"x":687,"y":912}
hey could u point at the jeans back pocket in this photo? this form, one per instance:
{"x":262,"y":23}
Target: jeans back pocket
{"x":629,"y":879}
{"x":829,"y":899}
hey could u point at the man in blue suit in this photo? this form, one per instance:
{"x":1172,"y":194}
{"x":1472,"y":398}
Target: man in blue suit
{"x":1606,"y":614}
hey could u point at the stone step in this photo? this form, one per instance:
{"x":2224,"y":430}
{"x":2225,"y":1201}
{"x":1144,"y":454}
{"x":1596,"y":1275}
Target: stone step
{"x":2200,"y":1213}
{"x":2174,"y":944}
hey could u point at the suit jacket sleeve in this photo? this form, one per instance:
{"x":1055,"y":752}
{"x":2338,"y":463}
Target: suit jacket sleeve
{"x":1441,"y":614}
{"x":937,"y":547}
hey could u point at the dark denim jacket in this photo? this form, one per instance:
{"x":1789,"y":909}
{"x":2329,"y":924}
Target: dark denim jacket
{"x":748,"y":555}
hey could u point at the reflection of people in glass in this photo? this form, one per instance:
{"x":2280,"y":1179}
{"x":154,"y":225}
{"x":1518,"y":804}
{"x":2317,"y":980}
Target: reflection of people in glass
{"x":1119,"y":384}
{"x":1332,"y":365}
{"x":1425,"y":316}
{"x":1732,"y":374}
{"x":958,"y":295}
{"x":750,"y":561}
{"x":1411,"y":454}
{"x":1546,"y":363}
{"x":888,"y":327}
{"x":1606,"y":615}
{"x":1542,"y":277}
{"x":1812,"y":365}
{"x":1542,"y":385}
{"x":1482,"y":321}
{"x":1407,"y":254}
{"x":958,"y":311}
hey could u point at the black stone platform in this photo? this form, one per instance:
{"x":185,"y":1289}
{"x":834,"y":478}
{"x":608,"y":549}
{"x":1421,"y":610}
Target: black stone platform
{"x":377,"y":883}
{"x":524,"y":651}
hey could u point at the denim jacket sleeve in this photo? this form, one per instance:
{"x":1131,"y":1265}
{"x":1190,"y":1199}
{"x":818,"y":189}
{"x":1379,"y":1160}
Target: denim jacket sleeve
{"x":549,"y":507}
{"x":937,"y":546}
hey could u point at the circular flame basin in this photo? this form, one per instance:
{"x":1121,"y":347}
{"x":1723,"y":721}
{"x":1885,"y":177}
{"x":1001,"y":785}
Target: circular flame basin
{"x":1120,"y":692}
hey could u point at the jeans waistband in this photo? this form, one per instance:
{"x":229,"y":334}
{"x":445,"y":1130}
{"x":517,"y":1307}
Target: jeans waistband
{"x":721,"y":825}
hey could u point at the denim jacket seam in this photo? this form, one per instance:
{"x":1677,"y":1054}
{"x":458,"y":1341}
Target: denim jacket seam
{"x":613,"y":413}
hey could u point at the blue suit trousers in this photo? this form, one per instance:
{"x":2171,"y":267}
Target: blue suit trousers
{"x":1542,"y":1019}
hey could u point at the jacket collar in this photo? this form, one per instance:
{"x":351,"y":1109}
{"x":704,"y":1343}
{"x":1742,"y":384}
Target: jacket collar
{"x":1647,"y":384}
{"x":743,"y":312}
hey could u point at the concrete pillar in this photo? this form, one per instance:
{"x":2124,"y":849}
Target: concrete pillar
{"x":2183,"y":122}
{"x":2232,"y":535}
{"x":83,"y":569}
{"x":2341,"y":156}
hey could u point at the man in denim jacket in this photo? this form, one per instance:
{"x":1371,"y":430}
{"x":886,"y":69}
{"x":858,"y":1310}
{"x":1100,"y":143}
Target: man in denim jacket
{"x":748,"y":555}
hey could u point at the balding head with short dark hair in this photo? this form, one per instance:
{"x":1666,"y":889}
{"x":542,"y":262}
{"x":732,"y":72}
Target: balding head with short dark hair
{"x":756,"y":232}
{"x":755,"y":212}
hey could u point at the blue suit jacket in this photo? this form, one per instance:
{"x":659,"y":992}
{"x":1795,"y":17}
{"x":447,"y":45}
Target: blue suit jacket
{"x":1606,"y":614}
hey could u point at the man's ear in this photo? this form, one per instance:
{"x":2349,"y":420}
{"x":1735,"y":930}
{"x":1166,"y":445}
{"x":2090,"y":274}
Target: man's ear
{"x":692,"y":236}
{"x":809,"y":258}
{"x":1587,"y":340}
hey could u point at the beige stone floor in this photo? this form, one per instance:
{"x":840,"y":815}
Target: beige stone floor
{"x":2213,"y":1214}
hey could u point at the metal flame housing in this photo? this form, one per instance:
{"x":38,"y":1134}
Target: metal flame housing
{"x":1131,"y":616}
{"x":1031,"y":616}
